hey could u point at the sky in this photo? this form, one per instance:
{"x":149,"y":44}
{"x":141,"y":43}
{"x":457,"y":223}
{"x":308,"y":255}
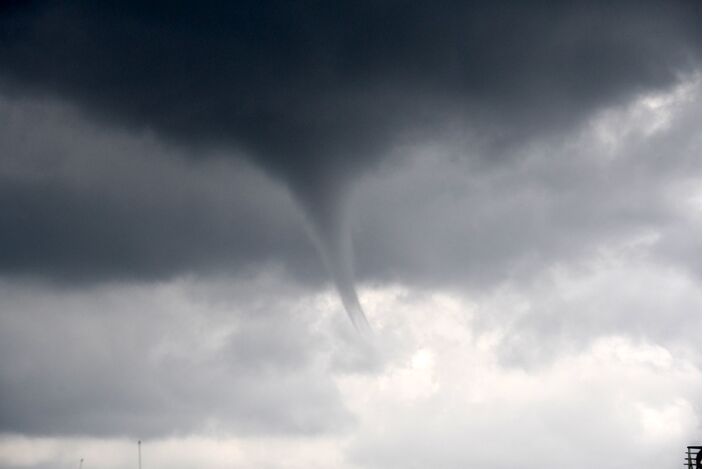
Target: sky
{"x":350,"y":235}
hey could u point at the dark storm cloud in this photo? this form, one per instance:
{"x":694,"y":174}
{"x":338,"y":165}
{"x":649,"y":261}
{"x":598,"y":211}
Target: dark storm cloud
{"x":315,"y":92}
{"x":81,"y":203}
{"x":87,"y":235}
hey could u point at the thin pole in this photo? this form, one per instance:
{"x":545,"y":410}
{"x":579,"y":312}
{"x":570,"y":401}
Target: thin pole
{"x":80,"y":464}
{"x":139,"y":453}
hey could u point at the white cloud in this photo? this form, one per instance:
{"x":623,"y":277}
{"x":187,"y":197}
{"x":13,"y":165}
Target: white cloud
{"x":436,"y":390}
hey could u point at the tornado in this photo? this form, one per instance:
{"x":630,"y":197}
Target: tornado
{"x":328,"y":225}
{"x":335,"y":247}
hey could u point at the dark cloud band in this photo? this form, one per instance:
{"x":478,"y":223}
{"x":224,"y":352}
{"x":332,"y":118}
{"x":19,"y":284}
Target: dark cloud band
{"x":315,"y":93}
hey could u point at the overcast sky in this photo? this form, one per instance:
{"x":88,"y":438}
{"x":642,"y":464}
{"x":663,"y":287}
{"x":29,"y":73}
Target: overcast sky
{"x":350,"y":235}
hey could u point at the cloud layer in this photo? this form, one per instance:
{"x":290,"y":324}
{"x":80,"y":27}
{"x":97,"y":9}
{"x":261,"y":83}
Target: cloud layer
{"x":314,"y":93}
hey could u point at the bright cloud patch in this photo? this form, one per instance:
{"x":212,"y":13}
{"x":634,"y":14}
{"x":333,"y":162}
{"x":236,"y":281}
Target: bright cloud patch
{"x":432,"y":387}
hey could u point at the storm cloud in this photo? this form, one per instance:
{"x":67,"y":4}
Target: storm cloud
{"x":316,"y":93}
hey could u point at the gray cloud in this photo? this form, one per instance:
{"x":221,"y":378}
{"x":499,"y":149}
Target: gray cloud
{"x":149,"y":361}
{"x":437,"y":219}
